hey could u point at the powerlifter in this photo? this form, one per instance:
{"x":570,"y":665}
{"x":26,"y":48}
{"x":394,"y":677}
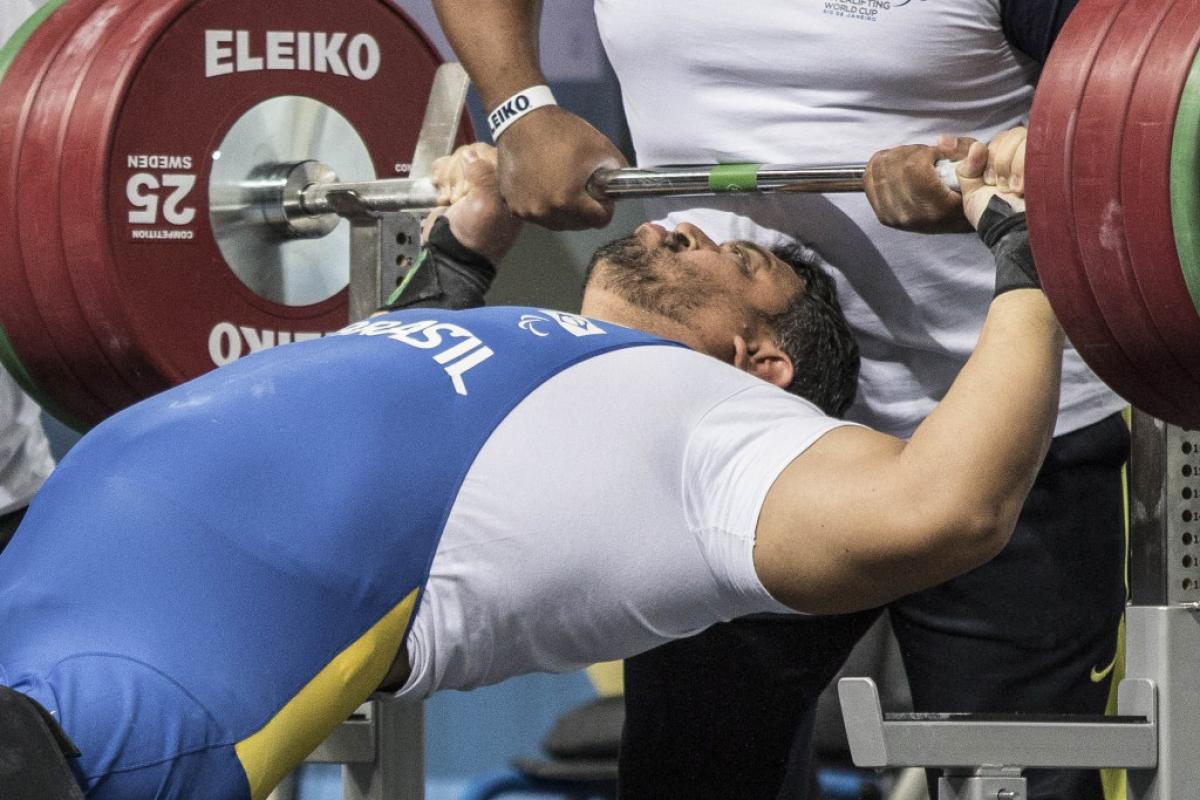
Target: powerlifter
{"x":215,"y":578}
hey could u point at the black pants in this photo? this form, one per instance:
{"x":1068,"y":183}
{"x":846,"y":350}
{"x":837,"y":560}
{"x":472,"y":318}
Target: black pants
{"x":729,"y":713}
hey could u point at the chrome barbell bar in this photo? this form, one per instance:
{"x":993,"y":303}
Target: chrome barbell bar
{"x":302,"y":196}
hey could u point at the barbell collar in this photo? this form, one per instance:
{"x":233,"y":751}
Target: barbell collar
{"x":283,"y":201}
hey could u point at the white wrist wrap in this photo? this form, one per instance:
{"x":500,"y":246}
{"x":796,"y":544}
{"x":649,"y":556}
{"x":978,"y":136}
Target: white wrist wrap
{"x":518,"y":106}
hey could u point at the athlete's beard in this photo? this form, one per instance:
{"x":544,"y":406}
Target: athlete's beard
{"x":648,"y":278}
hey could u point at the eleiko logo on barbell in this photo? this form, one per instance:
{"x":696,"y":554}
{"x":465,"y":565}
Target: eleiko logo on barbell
{"x":229,"y":52}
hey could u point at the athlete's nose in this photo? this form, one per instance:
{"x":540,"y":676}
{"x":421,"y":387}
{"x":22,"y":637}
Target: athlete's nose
{"x":694,"y":238}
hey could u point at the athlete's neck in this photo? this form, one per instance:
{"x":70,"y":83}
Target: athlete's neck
{"x":602,"y":304}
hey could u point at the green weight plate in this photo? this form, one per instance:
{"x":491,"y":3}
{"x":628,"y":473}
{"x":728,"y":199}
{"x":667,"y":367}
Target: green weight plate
{"x":1185,"y":183}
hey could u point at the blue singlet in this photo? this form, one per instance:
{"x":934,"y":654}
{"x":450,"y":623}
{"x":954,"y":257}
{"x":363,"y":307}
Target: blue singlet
{"x":216,"y":577}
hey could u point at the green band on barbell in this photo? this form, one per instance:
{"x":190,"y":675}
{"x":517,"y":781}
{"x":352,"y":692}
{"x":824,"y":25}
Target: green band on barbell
{"x":733,"y":178}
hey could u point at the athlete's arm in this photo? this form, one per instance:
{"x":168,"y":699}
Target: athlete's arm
{"x":546,"y":156}
{"x":464,"y":239}
{"x":862,"y":518}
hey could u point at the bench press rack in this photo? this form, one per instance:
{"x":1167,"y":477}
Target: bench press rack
{"x":1156,"y":733}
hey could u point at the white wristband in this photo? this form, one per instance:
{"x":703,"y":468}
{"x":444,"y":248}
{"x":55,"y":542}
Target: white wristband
{"x":518,"y":106}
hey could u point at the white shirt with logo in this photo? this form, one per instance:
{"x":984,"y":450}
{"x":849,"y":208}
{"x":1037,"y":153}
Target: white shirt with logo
{"x":824,"y":82}
{"x":613,"y":510}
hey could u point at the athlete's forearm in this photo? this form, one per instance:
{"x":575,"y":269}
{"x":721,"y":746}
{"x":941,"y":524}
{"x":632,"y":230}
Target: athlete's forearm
{"x":983,"y":444}
{"x":497,"y":42}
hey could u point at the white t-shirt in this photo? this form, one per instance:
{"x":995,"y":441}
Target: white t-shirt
{"x":25,"y":458}
{"x":613,"y":510}
{"x":825,"y":82}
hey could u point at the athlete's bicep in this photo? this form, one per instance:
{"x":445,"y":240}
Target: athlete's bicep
{"x":734,"y":453}
{"x":849,"y":525}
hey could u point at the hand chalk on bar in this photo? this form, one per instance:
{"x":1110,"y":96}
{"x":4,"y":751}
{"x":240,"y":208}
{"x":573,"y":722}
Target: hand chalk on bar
{"x":948,"y":171}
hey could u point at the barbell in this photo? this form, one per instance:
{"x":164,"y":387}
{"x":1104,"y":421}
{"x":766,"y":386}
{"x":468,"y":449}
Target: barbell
{"x":171,"y":171}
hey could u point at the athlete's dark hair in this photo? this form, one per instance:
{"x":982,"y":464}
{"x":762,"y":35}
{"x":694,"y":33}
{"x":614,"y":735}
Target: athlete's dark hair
{"x":814,"y":334}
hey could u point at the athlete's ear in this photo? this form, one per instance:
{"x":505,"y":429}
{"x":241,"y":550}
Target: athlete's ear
{"x":741,"y":358}
{"x":763,"y":357}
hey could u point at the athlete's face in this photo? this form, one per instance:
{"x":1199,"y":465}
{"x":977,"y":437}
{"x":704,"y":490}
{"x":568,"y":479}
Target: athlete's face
{"x":717,"y":291}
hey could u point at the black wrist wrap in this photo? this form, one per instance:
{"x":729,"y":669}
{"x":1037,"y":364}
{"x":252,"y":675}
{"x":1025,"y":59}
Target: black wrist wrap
{"x":1006,"y":234}
{"x":447,"y":274}
{"x":442,"y":239}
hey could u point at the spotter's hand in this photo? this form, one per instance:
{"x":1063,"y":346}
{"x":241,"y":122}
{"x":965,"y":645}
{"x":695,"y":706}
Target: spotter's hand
{"x":906,"y":192}
{"x":546,"y":158}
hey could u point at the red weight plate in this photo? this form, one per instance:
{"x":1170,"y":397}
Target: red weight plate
{"x":152,"y":115}
{"x":80,"y":202}
{"x":8,"y":356}
{"x":1099,"y":215}
{"x":42,"y":165}
{"x":1050,"y":199}
{"x":1146,"y":157}
{"x":47,"y":366}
